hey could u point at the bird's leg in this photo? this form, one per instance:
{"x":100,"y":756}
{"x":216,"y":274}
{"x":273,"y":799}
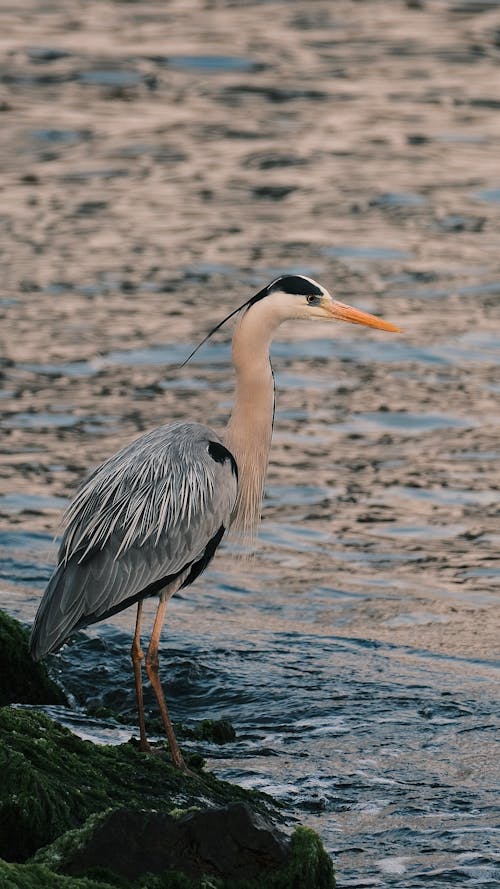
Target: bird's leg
{"x":137,"y":658}
{"x":152,"y":665}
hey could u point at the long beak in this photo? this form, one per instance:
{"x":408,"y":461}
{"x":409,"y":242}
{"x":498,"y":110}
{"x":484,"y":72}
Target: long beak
{"x":342,"y":312}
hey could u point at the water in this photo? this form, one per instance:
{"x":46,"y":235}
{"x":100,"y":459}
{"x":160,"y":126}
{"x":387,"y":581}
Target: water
{"x":54,"y":420}
{"x":385,"y":746}
{"x":60,"y":137}
{"x":488,"y":194}
{"x":358,"y":697}
{"x":468,"y":348}
{"x":211,"y":64}
{"x":111,"y":78}
{"x":366,"y":254}
{"x":412,"y":424}
{"x":356,"y":655}
{"x":397,"y":199}
{"x":385,"y":749}
{"x":20,"y":502}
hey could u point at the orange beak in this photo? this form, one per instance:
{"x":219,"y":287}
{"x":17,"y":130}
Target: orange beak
{"x":342,"y":312}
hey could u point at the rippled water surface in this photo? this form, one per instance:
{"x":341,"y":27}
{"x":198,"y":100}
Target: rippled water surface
{"x":160,"y":164}
{"x":335,"y":653}
{"x":388,"y":750}
{"x":342,"y":653}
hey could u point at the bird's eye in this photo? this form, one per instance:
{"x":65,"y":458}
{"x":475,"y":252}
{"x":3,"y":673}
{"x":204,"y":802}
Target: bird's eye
{"x":313,"y":300}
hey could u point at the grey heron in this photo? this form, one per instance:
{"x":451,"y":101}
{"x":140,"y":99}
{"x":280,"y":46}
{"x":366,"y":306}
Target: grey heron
{"x":148,"y":520}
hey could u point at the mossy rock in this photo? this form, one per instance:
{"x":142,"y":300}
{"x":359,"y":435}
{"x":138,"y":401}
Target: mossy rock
{"x":218,"y":731}
{"x":226,"y":842}
{"x":22,"y":681}
{"x":52,"y":781}
{"x":35,"y":876}
{"x":308,"y":867}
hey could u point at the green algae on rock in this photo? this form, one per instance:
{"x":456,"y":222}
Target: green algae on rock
{"x":219,"y":731}
{"x":36,"y":876}
{"x":225,"y":842}
{"x":52,"y":781}
{"x":308,"y":867}
{"x":57,"y":787}
{"x":22,"y":681}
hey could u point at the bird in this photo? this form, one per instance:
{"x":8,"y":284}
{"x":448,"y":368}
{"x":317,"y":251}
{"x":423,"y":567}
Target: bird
{"x":148,"y":521}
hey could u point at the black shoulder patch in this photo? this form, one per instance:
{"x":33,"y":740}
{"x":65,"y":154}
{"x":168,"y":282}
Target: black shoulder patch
{"x":220,"y":454}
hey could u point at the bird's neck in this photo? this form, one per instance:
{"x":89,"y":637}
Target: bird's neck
{"x":248,"y":433}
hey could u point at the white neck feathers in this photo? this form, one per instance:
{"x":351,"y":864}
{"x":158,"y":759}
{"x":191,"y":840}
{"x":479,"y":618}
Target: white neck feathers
{"x":248,"y":433}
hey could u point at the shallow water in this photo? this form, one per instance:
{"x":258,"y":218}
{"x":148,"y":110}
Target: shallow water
{"x":320,"y":651}
{"x":211,"y":64}
{"x":352,"y":654}
{"x":387,"y":750}
{"x":327,"y":653}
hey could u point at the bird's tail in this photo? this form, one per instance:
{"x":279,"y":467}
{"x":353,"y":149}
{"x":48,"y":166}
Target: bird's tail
{"x":58,"y":614}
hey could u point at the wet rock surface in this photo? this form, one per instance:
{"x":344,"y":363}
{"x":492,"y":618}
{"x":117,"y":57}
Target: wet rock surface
{"x":54,"y":787}
{"x":59,"y":790}
{"x":21,"y":680}
{"x":53,"y":780}
{"x":231,"y":842}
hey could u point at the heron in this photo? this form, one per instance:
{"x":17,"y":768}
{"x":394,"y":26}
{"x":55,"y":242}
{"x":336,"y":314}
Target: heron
{"x":149,"y":520}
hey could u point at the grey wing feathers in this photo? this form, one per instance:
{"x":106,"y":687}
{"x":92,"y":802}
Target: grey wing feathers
{"x":140,"y":520}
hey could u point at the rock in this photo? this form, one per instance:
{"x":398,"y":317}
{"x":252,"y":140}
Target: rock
{"x":119,"y":815}
{"x":219,"y":731}
{"x":229,"y":842}
{"x":21,"y":680}
{"x":229,"y":846}
{"x":52,"y":781}
{"x":307,"y":866}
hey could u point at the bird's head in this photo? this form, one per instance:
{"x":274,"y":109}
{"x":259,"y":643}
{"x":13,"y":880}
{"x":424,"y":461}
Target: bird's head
{"x":299,"y":297}
{"x":292,"y":297}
